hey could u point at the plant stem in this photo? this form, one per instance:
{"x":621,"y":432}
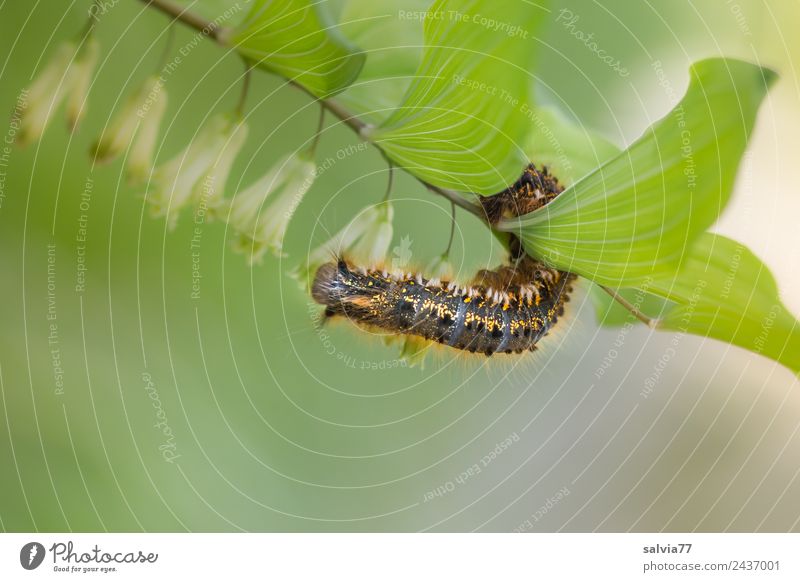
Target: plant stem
{"x":214,"y":32}
{"x":452,"y":229}
{"x":245,"y":89}
{"x":458,"y":200}
{"x":649,"y":322}
{"x":317,"y":136}
{"x":178,"y":12}
{"x":162,"y":62}
{"x":390,"y":182}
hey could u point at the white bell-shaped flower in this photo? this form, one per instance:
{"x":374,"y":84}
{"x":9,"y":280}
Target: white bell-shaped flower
{"x":360,"y":234}
{"x":81,"y":74}
{"x":135,"y":124}
{"x":260,"y":214}
{"x":44,"y":96}
{"x":209,"y":191}
{"x":440,"y":268}
{"x":151,"y":113}
{"x":68,"y":75}
{"x":198,"y":174}
{"x":373,"y":246}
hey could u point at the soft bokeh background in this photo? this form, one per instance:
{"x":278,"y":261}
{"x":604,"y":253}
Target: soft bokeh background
{"x":275,"y":433}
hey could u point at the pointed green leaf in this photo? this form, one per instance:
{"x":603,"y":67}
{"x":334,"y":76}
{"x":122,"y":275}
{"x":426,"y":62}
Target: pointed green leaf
{"x":636,"y":215}
{"x":727,"y":293}
{"x":722,"y":291}
{"x":297,"y":39}
{"x":390,"y":34}
{"x":463,"y":121}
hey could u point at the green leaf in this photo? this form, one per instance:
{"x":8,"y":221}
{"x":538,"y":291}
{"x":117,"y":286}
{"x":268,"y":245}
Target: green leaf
{"x":463,"y":120}
{"x":390,"y":34}
{"x":722,"y":291}
{"x":569,"y":150}
{"x":637,"y":215}
{"x":296,"y":39}
{"x":727,"y":293}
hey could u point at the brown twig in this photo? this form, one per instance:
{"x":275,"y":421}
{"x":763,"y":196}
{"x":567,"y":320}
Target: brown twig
{"x":182,"y":14}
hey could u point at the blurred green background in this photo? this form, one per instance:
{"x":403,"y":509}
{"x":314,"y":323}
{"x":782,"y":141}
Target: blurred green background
{"x":278,"y":425}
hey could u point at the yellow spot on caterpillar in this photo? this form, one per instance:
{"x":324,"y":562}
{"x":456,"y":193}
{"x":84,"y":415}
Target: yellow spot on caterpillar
{"x":467,"y":300}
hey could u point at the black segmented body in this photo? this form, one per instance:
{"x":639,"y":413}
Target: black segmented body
{"x":508,"y":310}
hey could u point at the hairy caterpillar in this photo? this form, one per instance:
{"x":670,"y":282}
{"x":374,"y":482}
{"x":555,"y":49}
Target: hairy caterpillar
{"x":507,"y":310}
{"x":534,"y":189}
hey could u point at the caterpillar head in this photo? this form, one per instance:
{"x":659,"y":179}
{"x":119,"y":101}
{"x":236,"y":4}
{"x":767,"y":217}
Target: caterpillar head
{"x":534,"y":189}
{"x":326,"y":283}
{"x":336,"y":284}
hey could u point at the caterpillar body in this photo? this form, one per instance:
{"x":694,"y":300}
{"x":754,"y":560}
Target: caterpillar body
{"x":534,"y":189}
{"x":505,"y":311}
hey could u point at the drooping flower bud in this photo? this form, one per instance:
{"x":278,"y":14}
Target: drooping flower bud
{"x":260,"y":214}
{"x":373,"y":246}
{"x":68,"y":75}
{"x":414,"y":351}
{"x":136,"y":124}
{"x":210,"y":189}
{"x":198,"y":174}
{"x":360,"y":239}
{"x":45,"y":94}
{"x":150,"y":113}
{"x":81,"y":73}
{"x":441,"y":268}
